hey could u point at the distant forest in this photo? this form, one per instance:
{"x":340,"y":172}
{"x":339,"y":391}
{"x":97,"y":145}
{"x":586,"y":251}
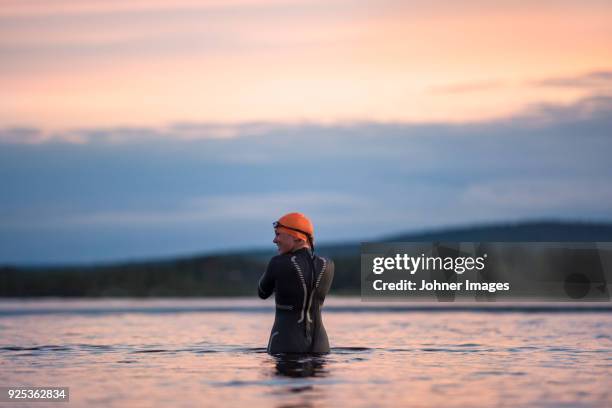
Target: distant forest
{"x":236,"y":274}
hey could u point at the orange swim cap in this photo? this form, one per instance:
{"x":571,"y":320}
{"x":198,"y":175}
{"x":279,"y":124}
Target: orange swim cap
{"x":291,"y":222}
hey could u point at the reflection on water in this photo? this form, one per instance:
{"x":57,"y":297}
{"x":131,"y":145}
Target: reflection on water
{"x":300,"y":365}
{"x":124,"y":357}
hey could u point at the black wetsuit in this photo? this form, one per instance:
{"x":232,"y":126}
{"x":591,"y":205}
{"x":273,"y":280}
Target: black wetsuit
{"x":300,"y":292}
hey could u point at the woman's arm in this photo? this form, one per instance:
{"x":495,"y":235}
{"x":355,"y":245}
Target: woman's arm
{"x":267,"y":281}
{"x":328,"y":277}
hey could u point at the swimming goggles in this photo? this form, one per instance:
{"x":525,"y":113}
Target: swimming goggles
{"x":277,"y":224}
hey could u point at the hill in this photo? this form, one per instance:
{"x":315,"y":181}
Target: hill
{"x":237,"y":273}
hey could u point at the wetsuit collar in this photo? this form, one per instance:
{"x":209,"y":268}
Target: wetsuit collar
{"x":304,"y":249}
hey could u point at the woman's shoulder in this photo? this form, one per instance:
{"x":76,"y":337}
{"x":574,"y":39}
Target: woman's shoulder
{"x":289,"y":257}
{"x":324,"y":260}
{"x":280,"y":259}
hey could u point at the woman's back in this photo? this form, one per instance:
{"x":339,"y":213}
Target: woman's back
{"x":300,"y":283}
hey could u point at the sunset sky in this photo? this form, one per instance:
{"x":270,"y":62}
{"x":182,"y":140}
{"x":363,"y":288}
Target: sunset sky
{"x":152,"y":128}
{"x":69,"y":64}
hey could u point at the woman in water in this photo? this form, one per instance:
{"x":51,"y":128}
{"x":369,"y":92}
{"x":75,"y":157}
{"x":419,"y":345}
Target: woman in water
{"x":301,"y":281}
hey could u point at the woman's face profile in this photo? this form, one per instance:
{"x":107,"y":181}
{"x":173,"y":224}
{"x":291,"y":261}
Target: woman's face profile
{"x":283,"y":241}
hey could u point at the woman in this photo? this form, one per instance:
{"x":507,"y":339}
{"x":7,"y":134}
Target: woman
{"x":300,"y":280}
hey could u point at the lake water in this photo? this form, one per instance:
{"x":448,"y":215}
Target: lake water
{"x":188,"y":353}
